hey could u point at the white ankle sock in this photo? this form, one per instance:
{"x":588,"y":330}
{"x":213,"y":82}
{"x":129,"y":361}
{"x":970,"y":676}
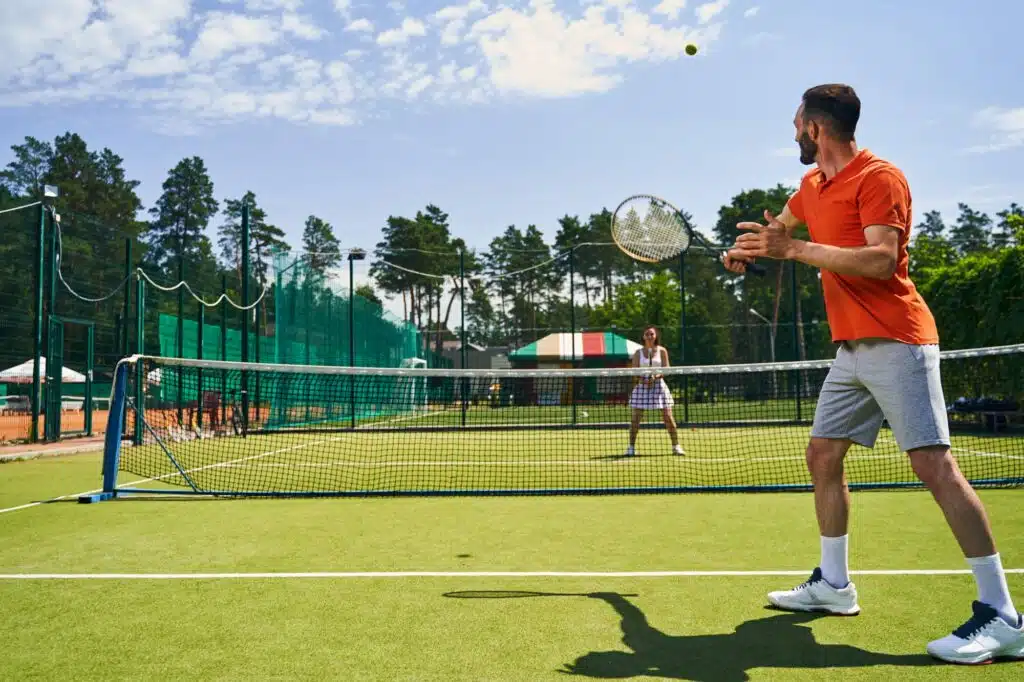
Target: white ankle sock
{"x":992,"y":588}
{"x":834,"y":561}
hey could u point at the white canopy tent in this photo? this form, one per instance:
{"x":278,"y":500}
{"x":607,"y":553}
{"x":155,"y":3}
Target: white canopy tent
{"x":22,"y":374}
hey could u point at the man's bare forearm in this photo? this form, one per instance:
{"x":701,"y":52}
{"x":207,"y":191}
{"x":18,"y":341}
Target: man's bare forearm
{"x":875,"y":262}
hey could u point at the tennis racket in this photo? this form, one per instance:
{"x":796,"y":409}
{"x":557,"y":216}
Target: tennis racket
{"x":650,"y":229}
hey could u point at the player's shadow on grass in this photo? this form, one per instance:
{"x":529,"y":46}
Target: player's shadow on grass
{"x":779,"y":641}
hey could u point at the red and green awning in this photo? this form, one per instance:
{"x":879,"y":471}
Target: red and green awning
{"x":588,"y":345}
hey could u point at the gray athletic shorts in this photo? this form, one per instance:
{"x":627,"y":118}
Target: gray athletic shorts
{"x":872,"y":379}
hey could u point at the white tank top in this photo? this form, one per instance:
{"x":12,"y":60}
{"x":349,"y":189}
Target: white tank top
{"x":653,"y":361}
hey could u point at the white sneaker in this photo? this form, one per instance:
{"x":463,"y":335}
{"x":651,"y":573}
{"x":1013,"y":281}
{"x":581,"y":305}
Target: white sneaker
{"x":817,"y":595}
{"x":629,"y":451}
{"x":982,"y":639}
{"x":677,"y":450}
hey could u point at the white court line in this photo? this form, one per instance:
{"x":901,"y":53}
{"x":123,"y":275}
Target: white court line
{"x":464,"y":574}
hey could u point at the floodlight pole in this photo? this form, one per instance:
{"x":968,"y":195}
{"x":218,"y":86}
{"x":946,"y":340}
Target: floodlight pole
{"x":37,"y":340}
{"x":245,"y":316}
{"x":771,"y":336}
{"x":682,"y":335}
{"x":353,"y":256}
{"x":796,"y":338}
{"x":771,"y":346}
{"x":462,"y":332}
{"x":572,"y":327}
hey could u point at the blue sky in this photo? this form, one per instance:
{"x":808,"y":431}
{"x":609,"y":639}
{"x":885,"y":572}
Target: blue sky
{"x":513,"y":112}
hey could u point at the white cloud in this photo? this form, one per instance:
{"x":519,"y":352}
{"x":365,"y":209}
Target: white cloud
{"x":1005,"y":127}
{"x":419,"y":85}
{"x":301,"y":26}
{"x":223,"y":33}
{"x":68,"y":37}
{"x":750,"y":12}
{"x":267,"y":5}
{"x":710,"y":10}
{"x":410,"y":28}
{"x":360,"y":26}
{"x":454,"y":18}
{"x":670,"y":8}
{"x":541,"y":51}
{"x":187,"y":64}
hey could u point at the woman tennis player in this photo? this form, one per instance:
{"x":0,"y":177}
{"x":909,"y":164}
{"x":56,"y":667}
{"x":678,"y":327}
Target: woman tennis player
{"x":651,"y":393}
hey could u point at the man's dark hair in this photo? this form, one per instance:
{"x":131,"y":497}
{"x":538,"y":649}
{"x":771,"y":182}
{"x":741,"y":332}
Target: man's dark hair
{"x":836,"y":107}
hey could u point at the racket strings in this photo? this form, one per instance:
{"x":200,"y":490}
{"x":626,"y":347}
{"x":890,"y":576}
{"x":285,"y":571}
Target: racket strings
{"x":649,"y":231}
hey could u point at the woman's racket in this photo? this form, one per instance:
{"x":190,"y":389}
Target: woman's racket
{"x":650,"y":229}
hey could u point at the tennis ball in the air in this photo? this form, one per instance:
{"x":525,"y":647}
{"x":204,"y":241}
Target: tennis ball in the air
{"x":691,"y":49}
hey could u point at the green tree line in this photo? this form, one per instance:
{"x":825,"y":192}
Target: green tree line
{"x":526,"y":282}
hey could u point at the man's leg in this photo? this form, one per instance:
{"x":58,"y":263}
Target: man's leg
{"x":832,"y":506}
{"x":905,"y":380}
{"x":960,"y":504}
{"x":845,"y":413}
{"x":966,"y":517}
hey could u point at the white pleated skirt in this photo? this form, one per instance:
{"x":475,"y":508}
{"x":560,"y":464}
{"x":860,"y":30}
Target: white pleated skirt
{"x":653,"y":397}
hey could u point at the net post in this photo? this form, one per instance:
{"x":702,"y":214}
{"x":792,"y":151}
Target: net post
{"x":245,"y":316}
{"x":112,"y":437}
{"x":37,"y":341}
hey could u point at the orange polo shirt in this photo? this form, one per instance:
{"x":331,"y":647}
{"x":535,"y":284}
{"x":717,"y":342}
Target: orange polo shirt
{"x":867,"y":191}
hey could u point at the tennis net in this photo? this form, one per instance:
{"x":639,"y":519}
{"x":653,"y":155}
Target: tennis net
{"x":318,"y":430}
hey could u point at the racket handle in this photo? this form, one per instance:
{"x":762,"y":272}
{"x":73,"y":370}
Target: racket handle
{"x":756,"y":269}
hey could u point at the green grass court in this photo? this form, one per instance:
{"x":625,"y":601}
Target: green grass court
{"x":356,"y":613}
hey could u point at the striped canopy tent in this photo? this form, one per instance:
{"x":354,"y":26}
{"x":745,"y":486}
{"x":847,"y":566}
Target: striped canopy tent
{"x":588,"y":345}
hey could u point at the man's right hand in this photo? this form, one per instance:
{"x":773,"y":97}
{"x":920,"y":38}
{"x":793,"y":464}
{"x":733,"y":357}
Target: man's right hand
{"x":734,"y":262}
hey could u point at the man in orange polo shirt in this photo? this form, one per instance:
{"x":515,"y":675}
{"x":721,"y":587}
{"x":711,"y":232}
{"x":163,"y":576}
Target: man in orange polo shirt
{"x":857,"y":208}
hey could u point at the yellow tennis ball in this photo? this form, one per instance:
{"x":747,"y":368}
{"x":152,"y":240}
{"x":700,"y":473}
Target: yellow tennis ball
{"x":691,"y":49}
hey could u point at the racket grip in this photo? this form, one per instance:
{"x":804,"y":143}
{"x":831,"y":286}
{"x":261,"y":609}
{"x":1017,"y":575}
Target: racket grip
{"x":756,"y":269}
